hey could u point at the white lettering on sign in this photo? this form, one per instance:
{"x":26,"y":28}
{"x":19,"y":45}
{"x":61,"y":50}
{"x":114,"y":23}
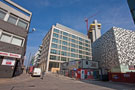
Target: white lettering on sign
{"x":10,"y":54}
{"x":8,"y":62}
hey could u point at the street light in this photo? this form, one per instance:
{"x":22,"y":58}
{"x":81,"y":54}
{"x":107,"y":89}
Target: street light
{"x":33,"y":30}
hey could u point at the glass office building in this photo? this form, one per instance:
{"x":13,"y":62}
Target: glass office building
{"x":63,"y":44}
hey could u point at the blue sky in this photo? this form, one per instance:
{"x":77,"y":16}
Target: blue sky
{"x":71,"y":13}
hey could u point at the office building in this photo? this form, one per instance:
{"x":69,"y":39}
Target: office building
{"x":63,"y":44}
{"x":115,"y":50}
{"x":94,"y":31}
{"x":14,"y":27}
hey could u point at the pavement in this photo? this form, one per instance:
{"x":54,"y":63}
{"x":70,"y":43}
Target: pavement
{"x":60,"y":82}
{"x":22,"y":78}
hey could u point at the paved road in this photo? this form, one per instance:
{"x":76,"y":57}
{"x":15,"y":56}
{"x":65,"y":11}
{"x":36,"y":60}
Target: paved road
{"x":55,"y":82}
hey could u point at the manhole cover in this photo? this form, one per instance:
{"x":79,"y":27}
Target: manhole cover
{"x":31,"y":86}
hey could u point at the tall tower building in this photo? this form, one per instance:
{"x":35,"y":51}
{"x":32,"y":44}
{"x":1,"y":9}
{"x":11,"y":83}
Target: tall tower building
{"x":94,"y":31}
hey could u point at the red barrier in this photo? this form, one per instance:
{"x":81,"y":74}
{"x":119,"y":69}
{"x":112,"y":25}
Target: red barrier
{"x":122,"y":77}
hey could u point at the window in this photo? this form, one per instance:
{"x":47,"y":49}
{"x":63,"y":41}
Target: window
{"x":80,"y":43}
{"x":63,"y":58}
{"x":54,"y":45}
{"x":52,"y":57}
{"x":88,"y":58}
{"x":59,"y":46}
{"x":73,"y":45}
{"x":73,"y":50}
{"x":56,"y":30}
{"x":80,"y":51}
{"x":86,"y":45}
{"x":55,"y":35}
{"x":22,"y":24}
{"x":86,"y":62}
{"x":55,"y":40}
{"x":68,"y":54}
{"x":73,"y":36}
{"x":86,"y":41}
{"x":53,"y":51}
{"x":17,"y":41}
{"x":65,"y":38}
{"x":64,"y":43}
{"x":64,"y":53}
{"x":80,"y":56}
{"x":80,"y":47}
{"x":12,"y":19}
{"x":5,"y":38}
{"x":64,"y":48}
{"x":60,"y":42}
{"x":59,"y":52}
{"x":87,"y":53}
{"x":60,"y":36}
{"x":68,"y":49}
{"x":74,"y":41}
{"x":80,"y":39}
{"x":73,"y":55}
{"x":64,"y":33}
{"x":2,"y":14}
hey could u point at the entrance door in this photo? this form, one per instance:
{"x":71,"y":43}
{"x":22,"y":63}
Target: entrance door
{"x":82,"y":74}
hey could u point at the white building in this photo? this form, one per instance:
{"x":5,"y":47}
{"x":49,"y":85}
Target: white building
{"x":63,"y":44}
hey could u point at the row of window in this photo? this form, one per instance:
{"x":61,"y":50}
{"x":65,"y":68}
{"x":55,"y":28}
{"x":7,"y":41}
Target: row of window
{"x":69,"y":35}
{"x":53,"y":57}
{"x":12,"y":39}
{"x":14,"y":19}
{"x":67,"y":43}
{"x":53,"y":51}
{"x":68,"y":48}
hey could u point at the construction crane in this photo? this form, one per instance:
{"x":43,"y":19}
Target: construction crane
{"x":86,"y":20}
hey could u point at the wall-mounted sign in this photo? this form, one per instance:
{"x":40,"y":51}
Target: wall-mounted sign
{"x":10,"y":54}
{"x":8,"y":62}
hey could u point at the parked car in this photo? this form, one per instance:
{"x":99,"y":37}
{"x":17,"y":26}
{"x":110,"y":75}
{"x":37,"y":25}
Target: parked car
{"x":36,"y":72}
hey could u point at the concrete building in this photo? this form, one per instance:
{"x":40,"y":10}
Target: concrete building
{"x":115,"y":50}
{"x":14,"y":27}
{"x":63,"y":44}
{"x":37,"y":58}
{"x":94,"y":31}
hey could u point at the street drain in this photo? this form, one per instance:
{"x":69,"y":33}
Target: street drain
{"x":31,"y":86}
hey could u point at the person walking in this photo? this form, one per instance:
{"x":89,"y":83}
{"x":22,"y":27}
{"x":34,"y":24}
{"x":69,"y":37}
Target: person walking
{"x":42,"y":75}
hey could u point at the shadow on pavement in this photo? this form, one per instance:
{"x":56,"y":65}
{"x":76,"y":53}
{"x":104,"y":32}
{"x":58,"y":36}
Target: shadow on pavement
{"x":113,"y":85}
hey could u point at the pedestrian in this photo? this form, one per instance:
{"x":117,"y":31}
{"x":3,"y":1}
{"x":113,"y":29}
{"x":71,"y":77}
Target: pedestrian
{"x":42,"y":75}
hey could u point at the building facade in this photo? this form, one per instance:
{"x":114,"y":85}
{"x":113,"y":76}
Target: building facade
{"x":94,"y":31}
{"x":115,"y":50}
{"x":63,"y":44}
{"x":14,"y":26}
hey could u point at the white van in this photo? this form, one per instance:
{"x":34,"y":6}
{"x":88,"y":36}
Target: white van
{"x":36,"y":72}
